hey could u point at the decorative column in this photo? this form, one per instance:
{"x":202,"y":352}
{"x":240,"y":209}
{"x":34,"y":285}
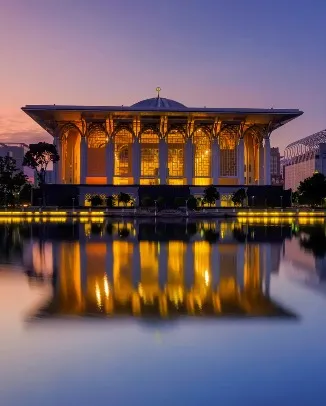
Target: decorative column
{"x":83,"y":159}
{"x":189,"y":161}
{"x":109,"y":161}
{"x":261,"y":163}
{"x":136,"y":160}
{"x":267,"y":161}
{"x":57,"y":167}
{"x":240,"y":165}
{"x":163,"y":161}
{"x":215,"y":163}
{"x":240,"y":266}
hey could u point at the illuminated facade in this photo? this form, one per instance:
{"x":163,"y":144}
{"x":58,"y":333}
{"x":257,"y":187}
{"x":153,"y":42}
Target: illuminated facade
{"x":130,"y":276}
{"x":159,"y":141}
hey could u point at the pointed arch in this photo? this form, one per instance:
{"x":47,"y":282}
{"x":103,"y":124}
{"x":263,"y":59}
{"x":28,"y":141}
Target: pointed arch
{"x":202,"y":153}
{"x":123,"y":139}
{"x":176,"y":155}
{"x":228,"y":139}
{"x":70,"y":136}
{"x":149,"y":156}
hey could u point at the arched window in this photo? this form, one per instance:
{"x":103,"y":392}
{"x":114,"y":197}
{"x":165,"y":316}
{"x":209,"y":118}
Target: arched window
{"x":96,"y":142}
{"x":228,"y":153}
{"x":202,"y":154}
{"x":123,"y":153}
{"x":175,"y":154}
{"x":70,"y":151}
{"x":149,"y":154}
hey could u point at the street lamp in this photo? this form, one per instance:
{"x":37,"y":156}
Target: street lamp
{"x":73,"y":205}
{"x":281,"y":201}
{"x":187,"y":207}
{"x":155,"y":202}
{"x":253,"y":200}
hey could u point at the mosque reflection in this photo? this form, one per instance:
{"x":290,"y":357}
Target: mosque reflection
{"x":160,"y":270}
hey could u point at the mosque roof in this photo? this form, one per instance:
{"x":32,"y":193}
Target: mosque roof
{"x":159,"y":103}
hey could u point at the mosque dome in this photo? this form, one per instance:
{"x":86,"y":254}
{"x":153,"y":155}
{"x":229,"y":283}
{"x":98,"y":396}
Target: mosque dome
{"x":158,"y":103}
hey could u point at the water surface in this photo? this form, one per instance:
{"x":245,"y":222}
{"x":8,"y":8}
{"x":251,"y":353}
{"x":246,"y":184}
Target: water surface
{"x":143,"y":313}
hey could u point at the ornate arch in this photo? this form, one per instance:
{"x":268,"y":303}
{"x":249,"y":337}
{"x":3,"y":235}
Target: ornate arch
{"x":97,"y":136}
{"x":228,"y":139}
{"x":123,"y":138}
{"x":66,"y":127}
{"x":202,"y":143}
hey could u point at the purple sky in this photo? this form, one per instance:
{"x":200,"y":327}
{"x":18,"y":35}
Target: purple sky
{"x":214,"y":53}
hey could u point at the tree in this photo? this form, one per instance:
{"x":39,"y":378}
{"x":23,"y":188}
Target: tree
{"x":95,"y":200}
{"x":295,"y":198}
{"x":211,"y":195}
{"x":313,"y":189}
{"x":192,"y":203}
{"x":124,"y":198}
{"x":110,"y":202}
{"x":38,"y":158}
{"x":239,"y":196}
{"x":147,"y":201}
{"x":179,"y":202}
{"x":12,"y":180}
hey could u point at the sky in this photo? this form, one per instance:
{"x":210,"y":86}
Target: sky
{"x":213,"y":53}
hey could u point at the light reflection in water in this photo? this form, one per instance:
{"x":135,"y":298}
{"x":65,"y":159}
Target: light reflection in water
{"x":164,"y":270}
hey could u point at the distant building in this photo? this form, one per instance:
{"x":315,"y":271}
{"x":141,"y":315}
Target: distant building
{"x":276,"y":175}
{"x":17,"y":151}
{"x":303,"y":158}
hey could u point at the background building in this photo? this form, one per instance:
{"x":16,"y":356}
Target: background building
{"x":276,"y":175}
{"x":304,"y":157}
{"x":17,"y":151}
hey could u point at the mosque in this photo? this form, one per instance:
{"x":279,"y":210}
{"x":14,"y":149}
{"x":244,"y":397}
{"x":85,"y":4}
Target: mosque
{"x":159,"y":141}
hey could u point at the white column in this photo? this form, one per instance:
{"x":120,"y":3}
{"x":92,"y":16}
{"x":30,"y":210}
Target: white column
{"x":57,"y":167}
{"x":109,"y":162}
{"x":189,"y":161}
{"x":267,"y":162}
{"x":240,"y":265}
{"x":163,"y":161}
{"x":215,"y":161}
{"x":136,"y":159}
{"x":83,"y":159}
{"x":261,"y":164}
{"x":240,"y":163}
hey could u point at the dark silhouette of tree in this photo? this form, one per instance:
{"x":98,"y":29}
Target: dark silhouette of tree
{"x":147,"y":201}
{"x":95,"y":200}
{"x":313,"y":190}
{"x":211,"y":195}
{"x":239,"y":197}
{"x":110,"y":202}
{"x":12,"y":181}
{"x":313,"y":239}
{"x":192,"y":203}
{"x":124,"y":198}
{"x":38,"y":158}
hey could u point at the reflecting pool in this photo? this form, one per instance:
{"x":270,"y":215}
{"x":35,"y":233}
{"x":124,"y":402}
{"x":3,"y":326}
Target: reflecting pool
{"x":166,"y":312}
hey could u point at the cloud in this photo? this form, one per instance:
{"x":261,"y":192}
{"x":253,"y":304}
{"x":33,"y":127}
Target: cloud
{"x":17,"y":127}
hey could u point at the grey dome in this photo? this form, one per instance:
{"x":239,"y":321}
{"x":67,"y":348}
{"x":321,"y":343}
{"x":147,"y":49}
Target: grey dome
{"x":158,"y":103}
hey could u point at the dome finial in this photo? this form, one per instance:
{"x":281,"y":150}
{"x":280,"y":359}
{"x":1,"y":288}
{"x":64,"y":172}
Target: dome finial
{"x":158,"y":89}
